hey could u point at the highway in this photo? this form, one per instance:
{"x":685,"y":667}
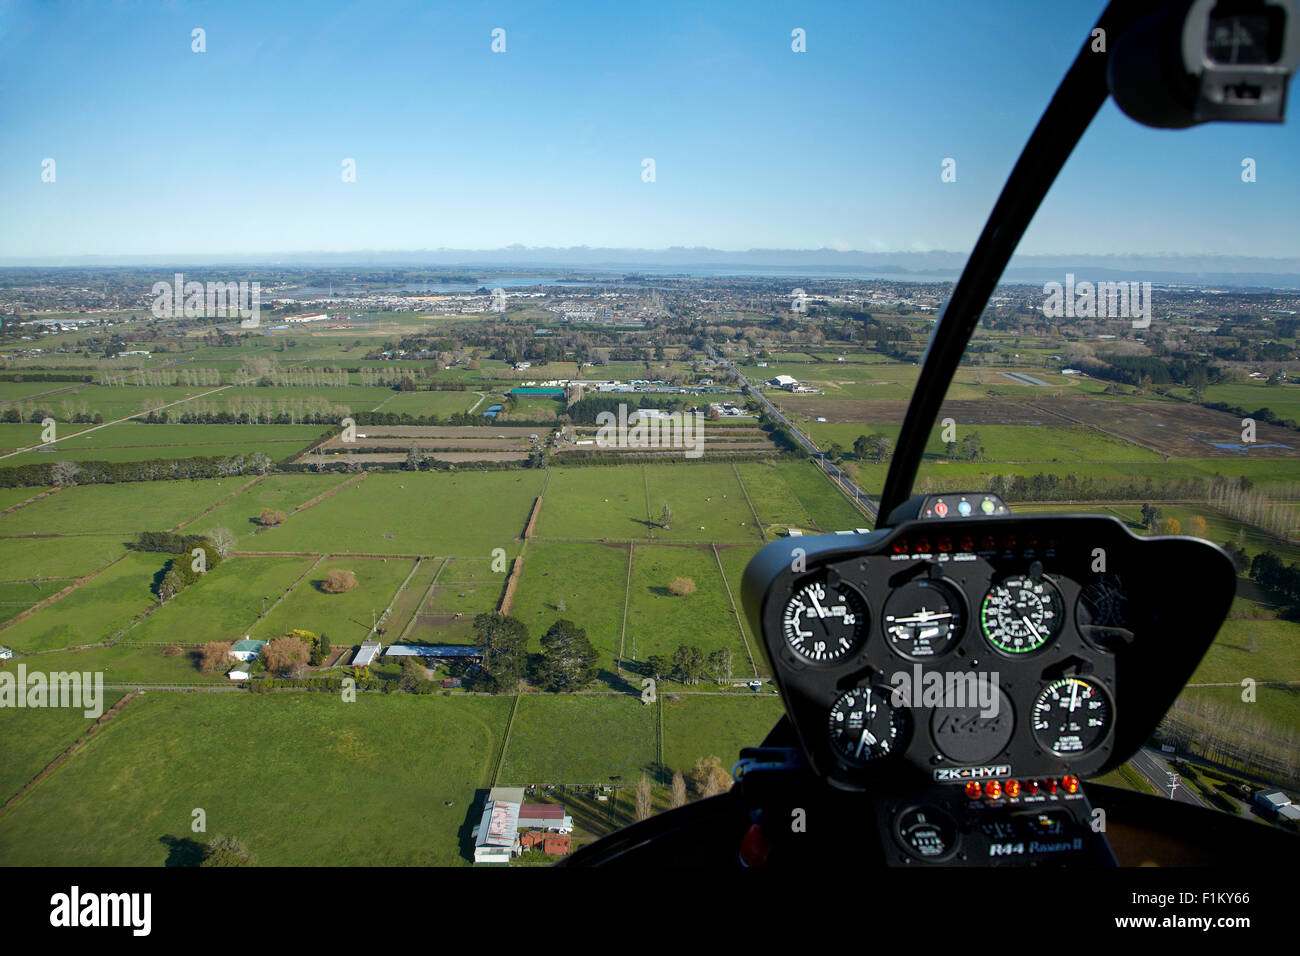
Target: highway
{"x":833,"y":471}
{"x":1154,"y":766}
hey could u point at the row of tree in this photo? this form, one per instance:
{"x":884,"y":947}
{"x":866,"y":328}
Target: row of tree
{"x":689,"y":665}
{"x":567,"y":662}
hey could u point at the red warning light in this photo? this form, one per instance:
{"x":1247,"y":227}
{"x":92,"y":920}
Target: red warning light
{"x":1012,"y":788}
{"x":1033,"y":786}
{"x":967,"y":543}
{"x":973,"y":790}
{"x":993,"y":789}
{"x":1051,"y":786}
{"x":1071,"y":784}
{"x":900,"y":546}
{"x":922,"y":545}
{"x":988,"y":544}
{"x":944,"y":545}
{"x":1009,"y":542}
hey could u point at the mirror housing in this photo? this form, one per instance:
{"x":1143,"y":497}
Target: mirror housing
{"x":1201,"y":61}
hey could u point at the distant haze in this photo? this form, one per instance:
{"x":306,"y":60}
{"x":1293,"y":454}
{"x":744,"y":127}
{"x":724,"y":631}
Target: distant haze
{"x":703,"y":262}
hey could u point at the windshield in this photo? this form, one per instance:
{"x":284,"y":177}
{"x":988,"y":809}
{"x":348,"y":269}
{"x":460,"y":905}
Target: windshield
{"x":392,"y":399}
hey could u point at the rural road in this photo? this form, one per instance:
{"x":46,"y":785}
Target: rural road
{"x":833,"y":471}
{"x":1153,"y":766}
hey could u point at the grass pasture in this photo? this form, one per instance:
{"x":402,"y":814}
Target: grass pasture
{"x":223,"y":605}
{"x":279,"y":771}
{"x":605,"y":736}
{"x":34,"y":737}
{"x":660,"y":621}
{"x":125,"y":508}
{"x":345,"y":617}
{"x":696,"y":727}
{"x":426,"y":513}
{"x":590,"y":581}
{"x":94,"y":612}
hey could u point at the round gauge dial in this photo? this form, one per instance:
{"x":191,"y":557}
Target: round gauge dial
{"x":927,"y":833}
{"x":923,"y":619}
{"x":1021,"y":615}
{"x":822,"y":622}
{"x":1103,"y":604}
{"x":864,"y":725}
{"x":1071,"y":716}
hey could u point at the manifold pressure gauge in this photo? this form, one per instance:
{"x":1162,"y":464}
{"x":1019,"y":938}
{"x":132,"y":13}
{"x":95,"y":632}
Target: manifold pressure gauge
{"x":822,"y":622}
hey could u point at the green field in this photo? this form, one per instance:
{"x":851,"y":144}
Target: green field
{"x":425,"y":513}
{"x":589,"y":579}
{"x":1002,"y":443}
{"x":222,"y":605}
{"x":92,"y":613}
{"x":34,"y":737}
{"x":128,"y":508}
{"x":135,"y":441}
{"x":302,"y":779}
{"x":23,"y":559}
{"x":660,"y":621}
{"x":696,"y":727}
{"x":605,"y":736}
{"x":827,"y":507}
{"x":346,"y":617}
{"x":276,"y":492}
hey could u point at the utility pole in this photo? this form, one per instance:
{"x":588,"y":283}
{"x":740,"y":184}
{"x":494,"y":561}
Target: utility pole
{"x":1173,"y":783}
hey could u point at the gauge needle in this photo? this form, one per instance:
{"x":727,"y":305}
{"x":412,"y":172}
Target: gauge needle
{"x":1025,"y":617}
{"x":817,"y":606}
{"x":866,"y":738}
{"x":1074,"y":696}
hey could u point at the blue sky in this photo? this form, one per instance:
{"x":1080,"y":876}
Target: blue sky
{"x":160,"y":150}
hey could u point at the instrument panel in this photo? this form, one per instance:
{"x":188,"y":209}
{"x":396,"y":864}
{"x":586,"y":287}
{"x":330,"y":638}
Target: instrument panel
{"x":1016,"y":650}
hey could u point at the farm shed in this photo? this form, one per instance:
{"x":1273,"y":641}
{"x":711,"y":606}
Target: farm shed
{"x":366,"y":654}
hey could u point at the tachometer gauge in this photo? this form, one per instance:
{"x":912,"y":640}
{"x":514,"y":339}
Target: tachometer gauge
{"x":823,"y":622}
{"x":1071,"y":716}
{"x":864,"y":725}
{"x":1021,"y":615}
{"x":923,"y":619}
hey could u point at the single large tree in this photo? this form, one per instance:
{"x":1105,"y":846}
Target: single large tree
{"x":503,"y":642}
{"x":287,"y":655}
{"x":678,"y":798}
{"x":228,"y":851}
{"x":643,"y":799}
{"x":213,"y":655}
{"x":568,"y":658}
{"x":659,"y":666}
{"x":223,"y":540}
{"x":709,"y":777}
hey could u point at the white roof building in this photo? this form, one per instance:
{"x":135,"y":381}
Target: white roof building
{"x":366,"y":654}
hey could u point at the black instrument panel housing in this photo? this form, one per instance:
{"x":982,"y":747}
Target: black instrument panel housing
{"x":1178,"y":592}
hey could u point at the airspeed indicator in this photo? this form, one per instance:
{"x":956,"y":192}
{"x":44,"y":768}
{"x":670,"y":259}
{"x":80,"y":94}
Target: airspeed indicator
{"x":1021,"y":614}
